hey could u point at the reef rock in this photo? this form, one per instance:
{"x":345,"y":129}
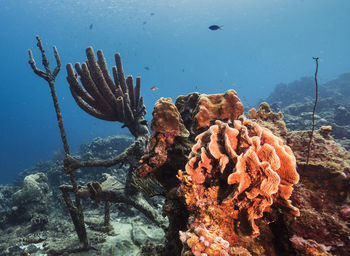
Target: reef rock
{"x":31,"y":201}
{"x":296,"y":101}
{"x":322,"y":196}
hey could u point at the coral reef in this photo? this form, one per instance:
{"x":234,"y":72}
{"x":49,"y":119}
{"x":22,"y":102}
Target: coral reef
{"x":227,"y":179}
{"x":237,"y":183}
{"x":266,"y":118}
{"x":295,"y":100}
{"x":119,"y":101}
{"x":234,"y":173}
{"x":167,"y":124}
{"x":322,"y":196}
{"x":130,"y":228}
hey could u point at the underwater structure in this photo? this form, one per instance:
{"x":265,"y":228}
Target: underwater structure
{"x":233,"y":185}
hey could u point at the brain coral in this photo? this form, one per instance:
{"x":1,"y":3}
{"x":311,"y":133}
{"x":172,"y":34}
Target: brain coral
{"x":235,"y":172}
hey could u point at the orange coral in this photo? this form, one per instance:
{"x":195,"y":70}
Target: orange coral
{"x":234,"y":173}
{"x":266,"y":118}
{"x":156,"y":155}
{"x":166,"y":118}
{"x":217,"y":107}
{"x":167,"y":124}
{"x":264,"y":113}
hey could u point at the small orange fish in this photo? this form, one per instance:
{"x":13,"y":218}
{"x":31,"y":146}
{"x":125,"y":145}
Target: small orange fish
{"x":154,"y":88}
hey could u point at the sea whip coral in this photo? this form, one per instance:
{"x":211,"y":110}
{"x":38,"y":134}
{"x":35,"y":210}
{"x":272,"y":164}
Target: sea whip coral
{"x":235,"y":172}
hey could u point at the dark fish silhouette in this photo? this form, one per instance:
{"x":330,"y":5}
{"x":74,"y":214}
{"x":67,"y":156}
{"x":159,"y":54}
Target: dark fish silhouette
{"x":91,"y":25}
{"x":152,"y":13}
{"x":147,"y":68}
{"x":154,"y":88}
{"x":215,"y":27}
{"x":144,"y":23}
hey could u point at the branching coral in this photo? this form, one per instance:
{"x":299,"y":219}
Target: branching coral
{"x":235,"y":172}
{"x":104,"y":99}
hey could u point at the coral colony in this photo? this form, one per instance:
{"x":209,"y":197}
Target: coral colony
{"x":226,"y":178}
{"x":236,"y":171}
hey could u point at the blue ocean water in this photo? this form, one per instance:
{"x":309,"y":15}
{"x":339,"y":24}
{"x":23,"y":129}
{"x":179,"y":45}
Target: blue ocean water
{"x":262,"y":43}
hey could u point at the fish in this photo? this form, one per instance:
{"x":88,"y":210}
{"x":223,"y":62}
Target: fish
{"x":144,"y":23}
{"x":154,"y":88}
{"x":91,"y":25}
{"x":152,"y":13}
{"x":147,"y":68}
{"x":215,"y":27}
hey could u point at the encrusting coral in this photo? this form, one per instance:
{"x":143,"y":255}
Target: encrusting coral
{"x":217,"y":107}
{"x":167,"y":119}
{"x":266,"y":118}
{"x":167,"y":124}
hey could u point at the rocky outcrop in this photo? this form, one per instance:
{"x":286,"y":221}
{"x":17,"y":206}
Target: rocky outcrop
{"x":295,"y":100}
